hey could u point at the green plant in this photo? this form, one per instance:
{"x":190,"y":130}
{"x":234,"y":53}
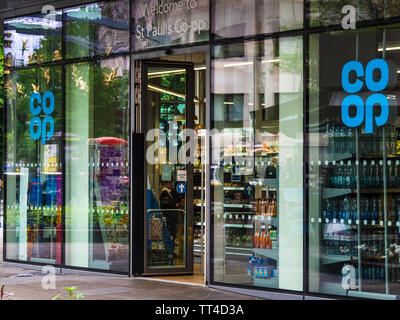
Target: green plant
{"x":4,"y":294}
{"x":71,"y":295}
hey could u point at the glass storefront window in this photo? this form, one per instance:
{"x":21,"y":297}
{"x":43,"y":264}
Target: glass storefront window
{"x":250,"y":17}
{"x":97,"y":164}
{"x":32,"y":40}
{"x":33,"y":170}
{"x":257,"y":164}
{"x":167,"y":207}
{"x":158,"y":23}
{"x":354,"y":163}
{"x":328,"y":12}
{"x":97,"y":29}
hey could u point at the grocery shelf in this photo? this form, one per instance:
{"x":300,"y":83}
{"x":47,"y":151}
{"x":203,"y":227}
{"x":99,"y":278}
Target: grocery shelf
{"x":239,"y":251}
{"x":267,"y":219}
{"x":266,"y":282}
{"x":234,"y":225}
{"x":269,"y":253}
{"x":335,"y":258}
{"x":337,"y":192}
{"x":334,"y":192}
{"x":233,"y":205}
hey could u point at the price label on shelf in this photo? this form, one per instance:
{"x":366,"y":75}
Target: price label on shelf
{"x":365,"y":222}
{"x":381,"y":223}
{"x":373,"y":222}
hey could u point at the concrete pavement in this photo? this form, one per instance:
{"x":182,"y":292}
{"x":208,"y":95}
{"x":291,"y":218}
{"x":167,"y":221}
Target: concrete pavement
{"x":26,"y":284}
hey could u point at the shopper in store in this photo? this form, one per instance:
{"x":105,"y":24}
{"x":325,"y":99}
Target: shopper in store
{"x":170,"y":199}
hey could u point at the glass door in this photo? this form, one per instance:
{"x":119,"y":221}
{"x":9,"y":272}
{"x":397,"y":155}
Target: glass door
{"x":167,"y":112}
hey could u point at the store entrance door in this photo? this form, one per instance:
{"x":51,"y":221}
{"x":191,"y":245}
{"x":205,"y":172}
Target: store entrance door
{"x":168,"y":109}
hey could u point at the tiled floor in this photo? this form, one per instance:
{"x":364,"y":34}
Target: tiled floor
{"x":196,"y":278}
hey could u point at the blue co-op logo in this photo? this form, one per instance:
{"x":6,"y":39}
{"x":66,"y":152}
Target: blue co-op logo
{"x":39,"y":128}
{"x":365,"y":112}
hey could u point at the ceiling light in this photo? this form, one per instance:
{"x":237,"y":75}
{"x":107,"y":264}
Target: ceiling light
{"x":238,"y":64}
{"x":271,"y":61}
{"x":389,"y":49}
{"x":159,"y":73}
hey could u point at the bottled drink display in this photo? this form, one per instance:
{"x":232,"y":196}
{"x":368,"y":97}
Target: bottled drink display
{"x":250,"y":216}
{"x":360,"y":205}
{"x":342,"y":140}
{"x":262,"y":268}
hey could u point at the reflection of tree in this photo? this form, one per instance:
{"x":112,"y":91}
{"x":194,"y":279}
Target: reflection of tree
{"x":109,"y":98}
{"x":83,"y":30}
{"x":48,"y":47}
{"x":25,"y":147}
{"x":110,"y":109}
{"x":325,"y":12}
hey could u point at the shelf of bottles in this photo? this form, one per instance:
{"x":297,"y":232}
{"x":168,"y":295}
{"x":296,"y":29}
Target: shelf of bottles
{"x":251,"y":218}
{"x":360,"y":203}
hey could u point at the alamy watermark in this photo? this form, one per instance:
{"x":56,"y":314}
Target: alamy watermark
{"x":49,"y":280}
{"x":169,"y":146}
{"x":349,"y":20}
{"x":50,"y":16}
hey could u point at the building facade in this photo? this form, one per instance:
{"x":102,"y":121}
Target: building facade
{"x":262,"y":134}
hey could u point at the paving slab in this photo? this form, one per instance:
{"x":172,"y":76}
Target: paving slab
{"x":25,"y":284}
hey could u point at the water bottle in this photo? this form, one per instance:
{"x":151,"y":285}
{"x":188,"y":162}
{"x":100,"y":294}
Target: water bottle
{"x":335,"y":209}
{"x":350,"y":141}
{"x":335,"y":176}
{"x":378,"y":175}
{"x":371,"y":175}
{"x":331,"y":139}
{"x":364,"y":175}
{"x":337,"y":139}
{"x":343,"y":138}
{"x":353,"y":209}
{"x":353,"y":182}
{"x":375,"y":210}
{"x":346,"y":215}
{"x":340,"y":177}
{"x":341,"y":213}
{"x":327,"y":210}
{"x":347,"y":175}
{"x":363,"y":208}
{"x":396,"y":167}
{"x":370,"y":208}
{"x":381,"y":210}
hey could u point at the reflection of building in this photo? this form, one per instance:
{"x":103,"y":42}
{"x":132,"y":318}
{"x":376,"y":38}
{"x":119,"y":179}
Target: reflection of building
{"x":292,"y":201}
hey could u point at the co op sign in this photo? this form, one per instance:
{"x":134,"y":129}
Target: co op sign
{"x":365,"y":112}
{"x":39,"y":128}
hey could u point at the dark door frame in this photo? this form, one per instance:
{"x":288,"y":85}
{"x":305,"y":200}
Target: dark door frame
{"x":138,"y":160}
{"x":189,"y":67}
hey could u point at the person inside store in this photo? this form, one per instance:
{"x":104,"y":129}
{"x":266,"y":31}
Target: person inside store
{"x":170,"y":200}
